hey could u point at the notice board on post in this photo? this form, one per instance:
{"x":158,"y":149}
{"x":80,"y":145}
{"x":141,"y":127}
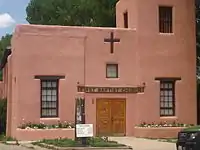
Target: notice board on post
{"x":84,"y":130}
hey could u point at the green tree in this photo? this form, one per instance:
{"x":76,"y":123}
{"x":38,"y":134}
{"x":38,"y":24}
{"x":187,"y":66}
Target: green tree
{"x":72,"y":12}
{"x":4,"y":42}
{"x":3,"y":112}
{"x":198,"y":38}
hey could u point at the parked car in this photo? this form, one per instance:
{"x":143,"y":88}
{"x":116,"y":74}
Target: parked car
{"x":189,"y":139}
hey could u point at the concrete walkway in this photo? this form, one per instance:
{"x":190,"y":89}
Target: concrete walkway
{"x":135,"y":143}
{"x":20,"y":147}
{"x":11,"y":147}
{"x":144,"y":144}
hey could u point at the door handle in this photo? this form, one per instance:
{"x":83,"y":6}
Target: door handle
{"x":112,"y":119}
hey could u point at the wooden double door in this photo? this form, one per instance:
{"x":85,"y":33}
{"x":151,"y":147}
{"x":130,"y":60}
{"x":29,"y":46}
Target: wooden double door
{"x":111,"y":117}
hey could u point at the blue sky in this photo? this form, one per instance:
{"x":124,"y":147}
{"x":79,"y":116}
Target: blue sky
{"x":12,"y":12}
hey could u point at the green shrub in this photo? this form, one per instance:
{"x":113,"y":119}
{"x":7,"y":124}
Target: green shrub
{"x":194,"y":128}
{"x":91,"y":142}
{"x":3,"y":115}
{"x":1,"y":75}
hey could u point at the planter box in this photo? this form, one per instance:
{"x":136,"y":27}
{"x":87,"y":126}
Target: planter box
{"x":157,"y":133}
{"x":40,"y":134}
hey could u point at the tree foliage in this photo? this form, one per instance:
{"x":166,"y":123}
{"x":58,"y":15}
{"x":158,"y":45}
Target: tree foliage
{"x":3,"y":112}
{"x":4,"y":42}
{"x":72,"y":12}
{"x":198,"y":38}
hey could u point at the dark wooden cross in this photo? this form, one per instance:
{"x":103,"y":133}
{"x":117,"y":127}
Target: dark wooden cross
{"x":111,"y":40}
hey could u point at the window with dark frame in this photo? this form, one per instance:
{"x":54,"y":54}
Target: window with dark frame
{"x":167,"y":98}
{"x":126,"y":19}
{"x":112,"y":71}
{"x":49,"y":98}
{"x":165,"y":19}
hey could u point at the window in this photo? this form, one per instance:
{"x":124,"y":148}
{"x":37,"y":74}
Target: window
{"x":112,"y":71}
{"x":49,"y":98}
{"x":167,"y":98}
{"x":165,"y":19}
{"x":49,"y":95}
{"x":126,"y":19}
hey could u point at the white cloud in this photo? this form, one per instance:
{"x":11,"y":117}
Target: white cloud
{"x":6,"y":20}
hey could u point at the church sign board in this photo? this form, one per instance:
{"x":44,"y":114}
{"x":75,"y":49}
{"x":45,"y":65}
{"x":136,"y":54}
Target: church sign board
{"x":92,"y":89}
{"x":84,"y":130}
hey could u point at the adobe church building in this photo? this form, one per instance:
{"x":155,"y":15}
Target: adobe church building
{"x":144,"y":70}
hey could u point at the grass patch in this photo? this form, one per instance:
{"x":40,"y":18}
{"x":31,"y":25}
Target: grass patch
{"x":60,"y":142}
{"x":194,"y":128}
{"x":99,"y":142}
{"x":91,"y":142}
{"x":168,"y":140}
{"x":4,"y":138}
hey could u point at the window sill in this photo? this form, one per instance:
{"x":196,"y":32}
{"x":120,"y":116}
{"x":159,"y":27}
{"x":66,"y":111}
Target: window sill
{"x":169,"y":117}
{"x":112,"y":78}
{"x":50,"y":119}
{"x":166,"y":34}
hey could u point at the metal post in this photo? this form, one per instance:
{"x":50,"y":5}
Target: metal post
{"x":84,"y":140}
{"x":76,"y":105}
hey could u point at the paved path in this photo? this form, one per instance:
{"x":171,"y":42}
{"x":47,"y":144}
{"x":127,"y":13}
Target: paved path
{"x":11,"y":147}
{"x":135,"y":143}
{"x":15,"y":147}
{"x":144,"y":144}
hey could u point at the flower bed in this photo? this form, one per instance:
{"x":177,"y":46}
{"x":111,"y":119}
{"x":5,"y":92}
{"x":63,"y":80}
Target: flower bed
{"x":41,"y":125}
{"x":92,"y":143}
{"x":160,"y":130}
{"x":31,"y":131}
{"x":163,"y":124}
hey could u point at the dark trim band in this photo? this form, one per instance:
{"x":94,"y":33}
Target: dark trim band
{"x":44,"y":77}
{"x":168,"y":78}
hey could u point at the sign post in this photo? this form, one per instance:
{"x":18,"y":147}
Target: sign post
{"x":83,"y":139}
{"x":82,"y":130}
